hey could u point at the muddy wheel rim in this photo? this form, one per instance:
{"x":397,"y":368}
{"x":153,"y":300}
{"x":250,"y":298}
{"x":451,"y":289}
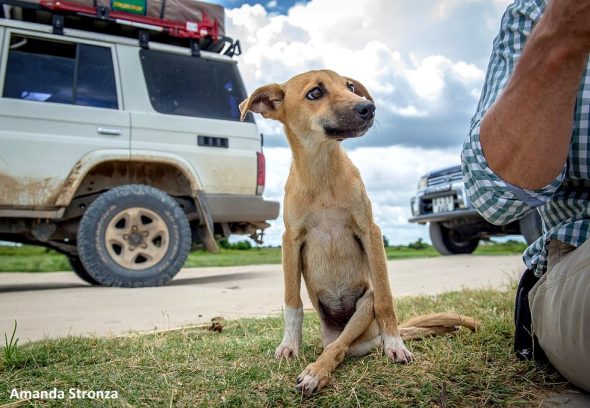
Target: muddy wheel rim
{"x":137,"y":238}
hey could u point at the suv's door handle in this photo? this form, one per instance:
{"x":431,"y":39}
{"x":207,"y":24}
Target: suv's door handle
{"x":109,"y":131}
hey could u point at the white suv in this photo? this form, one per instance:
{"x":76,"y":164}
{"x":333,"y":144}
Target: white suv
{"x":120,"y":155}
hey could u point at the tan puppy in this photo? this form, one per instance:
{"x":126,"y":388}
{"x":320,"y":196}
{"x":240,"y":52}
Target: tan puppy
{"x":330,"y":237}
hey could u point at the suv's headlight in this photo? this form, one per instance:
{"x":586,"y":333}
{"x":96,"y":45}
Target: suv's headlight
{"x":422,"y":183}
{"x":415,"y":206}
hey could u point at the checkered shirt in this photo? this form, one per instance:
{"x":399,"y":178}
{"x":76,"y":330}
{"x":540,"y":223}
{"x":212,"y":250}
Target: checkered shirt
{"x":564,"y":204}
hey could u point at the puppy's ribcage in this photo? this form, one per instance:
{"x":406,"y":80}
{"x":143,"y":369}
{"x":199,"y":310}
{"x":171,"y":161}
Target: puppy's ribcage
{"x":335,"y":266}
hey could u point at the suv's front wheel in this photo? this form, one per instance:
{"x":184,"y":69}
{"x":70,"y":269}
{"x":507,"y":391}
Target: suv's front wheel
{"x":133,"y":236}
{"x":448,"y":241}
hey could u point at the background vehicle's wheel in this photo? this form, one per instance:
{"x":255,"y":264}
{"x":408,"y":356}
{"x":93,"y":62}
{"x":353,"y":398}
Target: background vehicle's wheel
{"x":449,"y":242}
{"x":133,"y":236}
{"x":79,"y":270}
{"x":531,"y":226}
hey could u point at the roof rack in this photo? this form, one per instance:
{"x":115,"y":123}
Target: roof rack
{"x":205,"y":34}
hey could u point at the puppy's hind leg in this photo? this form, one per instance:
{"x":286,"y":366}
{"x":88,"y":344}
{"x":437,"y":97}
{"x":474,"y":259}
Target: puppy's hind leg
{"x":369,"y":341}
{"x":316,"y":374}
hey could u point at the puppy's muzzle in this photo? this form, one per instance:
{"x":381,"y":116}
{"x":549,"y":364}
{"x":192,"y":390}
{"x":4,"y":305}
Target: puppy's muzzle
{"x":352,"y":121}
{"x":365,"y":109}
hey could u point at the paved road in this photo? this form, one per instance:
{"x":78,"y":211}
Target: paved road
{"x":58,"y":304}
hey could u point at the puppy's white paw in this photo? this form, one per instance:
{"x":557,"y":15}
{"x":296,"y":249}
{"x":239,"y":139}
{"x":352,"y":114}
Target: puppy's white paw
{"x":400,"y":355}
{"x":396,"y":350}
{"x":286,"y":351}
{"x":289,"y":347}
{"x":313,"y":378}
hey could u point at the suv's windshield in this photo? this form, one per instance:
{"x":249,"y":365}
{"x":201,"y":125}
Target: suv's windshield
{"x":192,"y":86}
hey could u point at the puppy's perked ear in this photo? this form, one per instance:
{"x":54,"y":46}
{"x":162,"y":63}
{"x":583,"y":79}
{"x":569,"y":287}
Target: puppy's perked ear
{"x":266,"y":100}
{"x":360,"y":89}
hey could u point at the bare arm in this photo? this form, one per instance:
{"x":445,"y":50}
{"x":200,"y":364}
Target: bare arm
{"x":526,"y":134}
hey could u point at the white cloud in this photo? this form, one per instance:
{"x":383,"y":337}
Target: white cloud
{"x":467,"y":73}
{"x":409,"y":111}
{"x":427,"y":78}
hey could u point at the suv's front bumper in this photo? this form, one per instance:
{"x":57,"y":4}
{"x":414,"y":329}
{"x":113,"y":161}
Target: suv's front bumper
{"x":422,"y":208}
{"x":435,"y":217}
{"x":241,"y":208}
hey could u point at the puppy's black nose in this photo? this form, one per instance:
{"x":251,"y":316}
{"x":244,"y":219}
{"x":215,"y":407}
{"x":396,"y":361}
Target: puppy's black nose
{"x":365,"y":109}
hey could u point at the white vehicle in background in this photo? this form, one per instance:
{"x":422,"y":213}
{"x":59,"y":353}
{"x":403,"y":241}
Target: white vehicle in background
{"x":122,"y":152}
{"x":455,"y":226}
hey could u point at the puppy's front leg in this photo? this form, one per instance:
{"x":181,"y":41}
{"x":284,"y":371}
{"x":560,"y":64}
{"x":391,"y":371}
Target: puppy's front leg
{"x":293,"y":314}
{"x":393,"y":345}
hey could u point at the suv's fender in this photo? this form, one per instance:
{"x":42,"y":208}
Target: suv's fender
{"x":92,"y":159}
{"x":98,"y":157}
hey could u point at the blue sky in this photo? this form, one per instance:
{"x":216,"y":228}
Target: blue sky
{"x":423,"y":62}
{"x":273,"y":6}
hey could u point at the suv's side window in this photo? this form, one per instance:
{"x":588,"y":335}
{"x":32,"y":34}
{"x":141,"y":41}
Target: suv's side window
{"x":60,"y":72}
{"x":191,"y":86}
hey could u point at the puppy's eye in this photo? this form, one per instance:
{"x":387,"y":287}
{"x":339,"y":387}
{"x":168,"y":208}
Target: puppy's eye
{"x":350,"y":86}
{"x":315,"y":93}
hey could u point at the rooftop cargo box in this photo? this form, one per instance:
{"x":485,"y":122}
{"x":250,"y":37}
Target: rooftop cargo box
{"x":181,"y":19}
{"x":171,"y":10}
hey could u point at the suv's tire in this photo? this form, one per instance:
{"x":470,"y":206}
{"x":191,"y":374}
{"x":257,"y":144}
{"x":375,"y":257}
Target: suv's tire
{"x":79,"y":270}
{"x":531,"y":227}
{"x":133,"y":236}
{"x":446,"y":242}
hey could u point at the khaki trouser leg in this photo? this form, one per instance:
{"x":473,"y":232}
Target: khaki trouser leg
{"x":560,"y":309}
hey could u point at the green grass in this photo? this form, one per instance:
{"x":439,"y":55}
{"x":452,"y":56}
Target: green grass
{"x":500,"y":248}
{"x":10,"y":347}
{"x":195,"y":367}
{"x":28,"y":258}
{"x":232,"y":257}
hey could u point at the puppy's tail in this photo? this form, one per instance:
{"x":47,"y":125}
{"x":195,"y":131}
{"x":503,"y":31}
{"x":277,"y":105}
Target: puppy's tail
{"x":434,"y":324}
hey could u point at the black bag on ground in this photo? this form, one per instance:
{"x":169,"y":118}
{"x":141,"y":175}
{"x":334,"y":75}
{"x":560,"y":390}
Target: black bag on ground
{"x":526,"y":344}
